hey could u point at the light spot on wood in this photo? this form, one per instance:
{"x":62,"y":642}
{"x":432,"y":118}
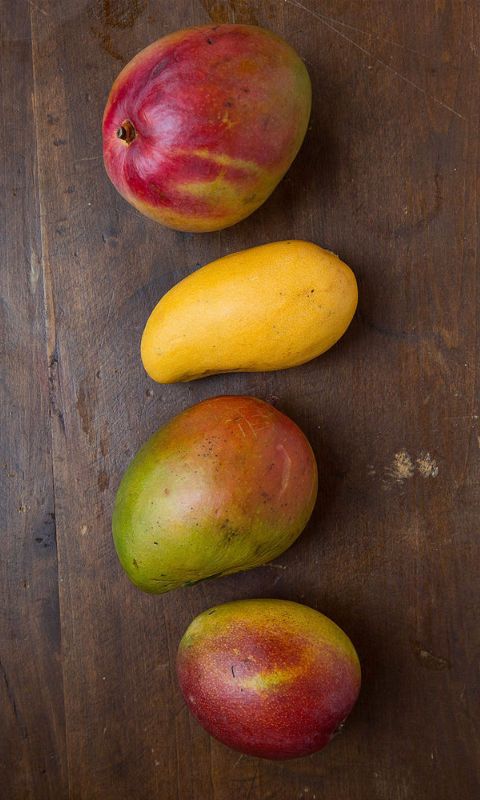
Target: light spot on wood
{"x":402,"y":467}
{"x":427,"y":466}
{"x":428,"y":659}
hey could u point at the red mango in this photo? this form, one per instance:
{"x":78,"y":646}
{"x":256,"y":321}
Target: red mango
{"x":270,"y":678}
{"x":201,"y":126}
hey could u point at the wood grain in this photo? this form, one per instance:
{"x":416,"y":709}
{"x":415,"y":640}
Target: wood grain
{"x":388,"y":178}
{"x":32,"y":735}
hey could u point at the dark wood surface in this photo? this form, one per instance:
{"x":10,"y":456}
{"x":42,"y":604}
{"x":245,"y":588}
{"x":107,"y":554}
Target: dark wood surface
{"x":387,"y":177}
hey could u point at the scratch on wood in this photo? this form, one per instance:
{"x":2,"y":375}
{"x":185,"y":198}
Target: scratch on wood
{"x":428,"y":659}
{"x":11,"y":698}
{"x":370,"y":34}
{"x":35,"y":267}
{"x":111,"y":306}
{"x":250,"y":790}
{"x":37,"y":8}
{"x":326,"y":23}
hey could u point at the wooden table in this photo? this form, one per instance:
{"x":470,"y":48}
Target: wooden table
{"x":387,"y":178}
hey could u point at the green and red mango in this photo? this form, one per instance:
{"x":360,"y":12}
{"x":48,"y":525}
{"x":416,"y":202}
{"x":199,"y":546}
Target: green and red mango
{"x":226,"y":485}
{"x":201,"y":125}
{"x":270,"y":678}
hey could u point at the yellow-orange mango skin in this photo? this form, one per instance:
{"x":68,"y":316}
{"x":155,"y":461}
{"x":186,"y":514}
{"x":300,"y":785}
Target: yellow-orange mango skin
{"x":266,"y":308}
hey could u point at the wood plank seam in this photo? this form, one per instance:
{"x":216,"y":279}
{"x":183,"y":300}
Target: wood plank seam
{"x":51,"y":361}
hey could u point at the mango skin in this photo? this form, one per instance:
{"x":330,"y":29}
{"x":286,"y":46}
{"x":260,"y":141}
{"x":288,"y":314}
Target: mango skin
{"x":226,"y":485}
{"x":219,"y":112}
{"x":270,"y":678}
{"x":265,"y":308}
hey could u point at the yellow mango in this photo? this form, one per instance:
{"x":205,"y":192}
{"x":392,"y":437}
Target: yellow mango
{"x":266,"y":308}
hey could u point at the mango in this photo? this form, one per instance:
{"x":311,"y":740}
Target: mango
{"x":226,"y":485}
{"x":265,"y":308}
{"x":201,"y":126}
{"x":270,"y":678}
